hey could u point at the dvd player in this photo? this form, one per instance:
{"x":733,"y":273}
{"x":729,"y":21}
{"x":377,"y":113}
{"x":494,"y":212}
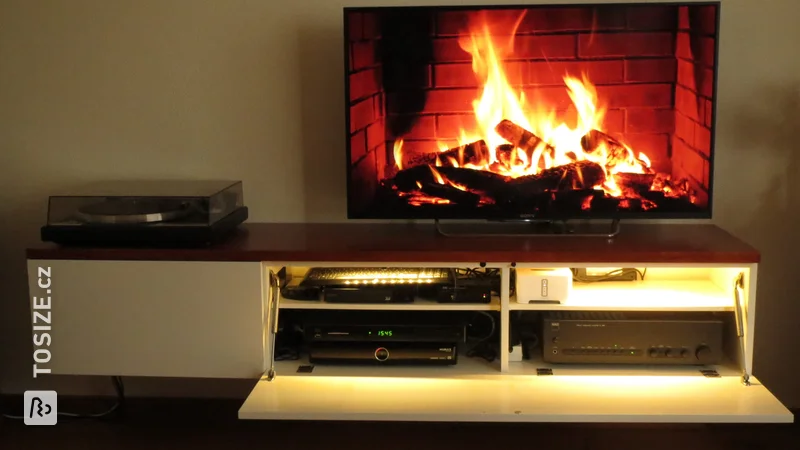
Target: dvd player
{"x":368,"y":294}
{"x":383,"y":337}
{"x":388,"y":353}
{"x":384,"y":333}
{"x":382,"y":326}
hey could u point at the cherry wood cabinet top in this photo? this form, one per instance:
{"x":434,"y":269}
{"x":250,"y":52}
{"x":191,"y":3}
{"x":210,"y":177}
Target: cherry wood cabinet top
{"x":401,"y":243}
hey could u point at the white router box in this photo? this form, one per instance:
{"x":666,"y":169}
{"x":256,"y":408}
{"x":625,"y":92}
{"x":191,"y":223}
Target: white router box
{"x":543,"y":285}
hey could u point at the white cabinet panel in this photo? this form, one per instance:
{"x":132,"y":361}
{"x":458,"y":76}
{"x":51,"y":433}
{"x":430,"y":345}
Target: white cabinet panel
{"x":150,"y":318}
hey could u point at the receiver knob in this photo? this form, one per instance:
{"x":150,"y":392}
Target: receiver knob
{"x":702,"y":353}
{"x":381,"y":354}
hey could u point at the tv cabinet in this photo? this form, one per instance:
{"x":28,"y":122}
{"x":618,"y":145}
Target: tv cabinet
{"x":211,"y":313}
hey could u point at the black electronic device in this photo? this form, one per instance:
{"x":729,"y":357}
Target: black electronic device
{"x":295,"y":290}
{"x":388,"y":353}
{"x":465,"y":293}
{"x":368,"y":294}
{"x":385,"y":333}
{"x":632,"y":338}
{"x":383,"y":326}
{"x":146,"y":213}
{"x":383,"y":337}
{"x":375,"y":276}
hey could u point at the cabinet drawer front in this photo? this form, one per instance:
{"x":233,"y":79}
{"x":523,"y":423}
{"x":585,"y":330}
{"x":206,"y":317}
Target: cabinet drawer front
{"x":150,"y":318}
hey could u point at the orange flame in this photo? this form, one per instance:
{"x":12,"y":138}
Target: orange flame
{"x":437,"y":176}
{"x":561,"y":143}
{"x":398,"y":154}
{"x":441,"y":179}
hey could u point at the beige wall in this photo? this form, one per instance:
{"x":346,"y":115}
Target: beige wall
{"x":252,"y":90}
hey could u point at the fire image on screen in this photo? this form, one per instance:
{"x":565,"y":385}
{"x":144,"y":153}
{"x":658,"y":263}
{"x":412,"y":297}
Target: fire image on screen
{"x":531,"y":112}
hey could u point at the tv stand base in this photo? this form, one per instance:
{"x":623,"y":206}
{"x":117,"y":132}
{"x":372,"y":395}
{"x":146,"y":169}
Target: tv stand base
{"x":528,"y":229}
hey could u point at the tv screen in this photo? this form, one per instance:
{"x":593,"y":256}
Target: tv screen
{"x":531,"y":112}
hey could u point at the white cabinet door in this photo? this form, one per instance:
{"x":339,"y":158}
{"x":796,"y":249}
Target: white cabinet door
{"x":148,"y":318}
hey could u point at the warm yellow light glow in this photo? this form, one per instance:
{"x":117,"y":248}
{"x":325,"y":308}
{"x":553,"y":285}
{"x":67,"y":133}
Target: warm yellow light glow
{"x":627,"y":384}
{"x":627,"y":381}
{"x":650,"y":294}
{"x":398,"y":276}
{"x":383,"y":382}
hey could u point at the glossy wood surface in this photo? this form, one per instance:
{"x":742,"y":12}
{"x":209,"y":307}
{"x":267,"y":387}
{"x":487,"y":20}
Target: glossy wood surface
{"x":410,"y":243}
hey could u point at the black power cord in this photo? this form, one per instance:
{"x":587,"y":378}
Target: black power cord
{"x":483,"y":348}
{"x":119,"y":388}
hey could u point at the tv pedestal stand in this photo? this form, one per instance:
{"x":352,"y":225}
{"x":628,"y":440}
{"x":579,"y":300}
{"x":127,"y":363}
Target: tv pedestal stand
{"x":554,"y":228}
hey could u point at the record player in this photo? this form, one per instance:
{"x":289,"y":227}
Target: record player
{"x":146,"y":213}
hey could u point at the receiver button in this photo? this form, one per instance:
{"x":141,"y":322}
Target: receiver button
{"x":381,"y":354}
{"x":703,"y":353}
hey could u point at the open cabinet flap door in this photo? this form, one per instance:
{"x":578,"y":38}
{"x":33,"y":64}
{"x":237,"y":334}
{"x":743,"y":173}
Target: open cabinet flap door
{"x":272,"y":323}
{"x":739,"y":313}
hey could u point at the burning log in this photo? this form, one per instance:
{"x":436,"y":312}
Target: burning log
{"x":477,"y":182}
{"x":522,"y":138}
{"x":594,"y":139}
{"x":489,"y":184}
{"x":506,"y":155}
{"x":674,"y":188}
{"x":636,"y":182}
{"x":474,"y":153}
{"x":406,"y":180}
{"x":617,"y":152}
{"x":448,"y":192}
{"x":576,"y":175}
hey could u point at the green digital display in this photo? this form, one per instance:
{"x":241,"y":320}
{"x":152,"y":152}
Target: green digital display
{"x":385,"y":333}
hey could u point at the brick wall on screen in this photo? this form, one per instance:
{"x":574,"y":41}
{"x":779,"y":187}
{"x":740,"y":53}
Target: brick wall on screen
{"x":630,"y":58}
{"x":695,"y":52}
{"x":366,"y":100}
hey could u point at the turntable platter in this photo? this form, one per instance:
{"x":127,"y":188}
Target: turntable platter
{"x":134,"y":211}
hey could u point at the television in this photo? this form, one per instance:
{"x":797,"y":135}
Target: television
{"x":545,"y":112}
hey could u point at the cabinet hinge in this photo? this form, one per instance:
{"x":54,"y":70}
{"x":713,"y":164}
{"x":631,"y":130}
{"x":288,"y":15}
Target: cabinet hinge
{"x":739,"y":311}
{"x":274,"y":293}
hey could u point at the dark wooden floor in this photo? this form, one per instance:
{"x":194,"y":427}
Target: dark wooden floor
{"x":212,"y":424}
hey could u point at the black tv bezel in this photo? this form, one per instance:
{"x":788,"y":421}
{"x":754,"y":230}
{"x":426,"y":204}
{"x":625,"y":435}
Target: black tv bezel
{"x":483,"y":214}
